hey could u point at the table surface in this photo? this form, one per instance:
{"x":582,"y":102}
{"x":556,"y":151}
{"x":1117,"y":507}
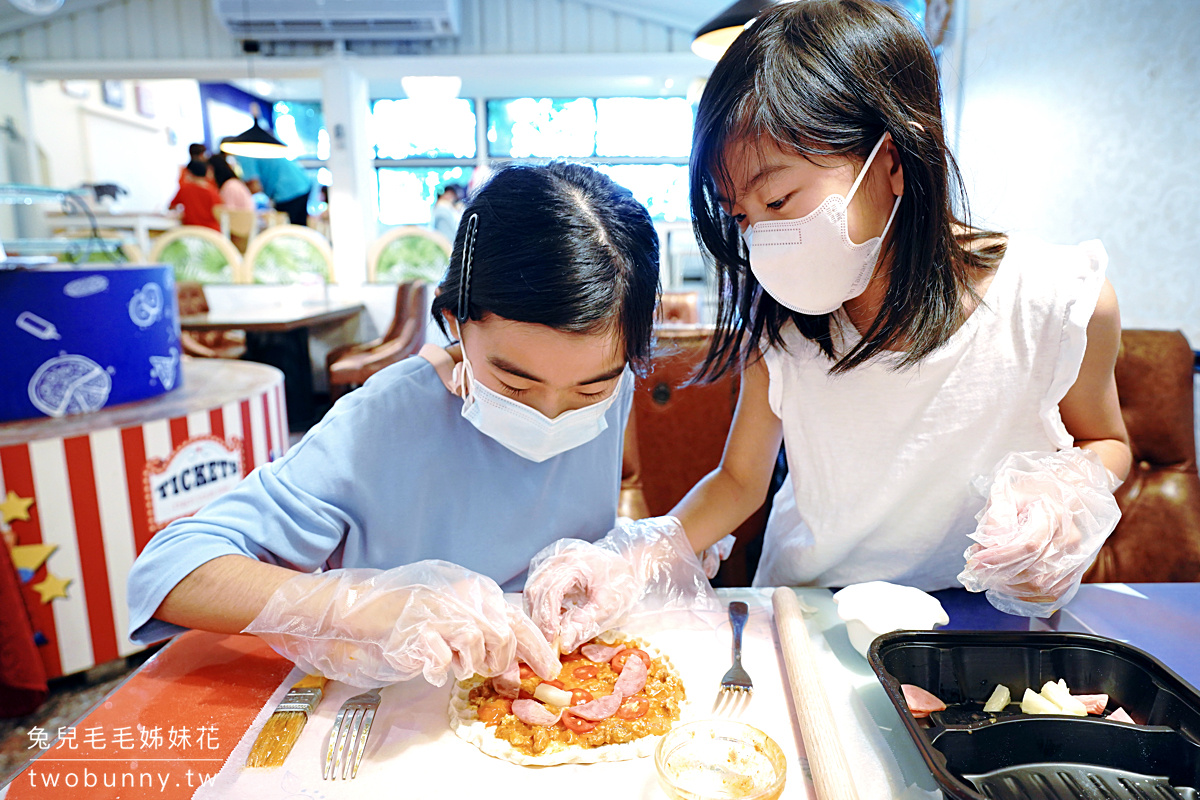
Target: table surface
{"x":278,"y":318}
{"x":216,"y":686}
{"x":151,"y":219}
{"x":207,"y":383}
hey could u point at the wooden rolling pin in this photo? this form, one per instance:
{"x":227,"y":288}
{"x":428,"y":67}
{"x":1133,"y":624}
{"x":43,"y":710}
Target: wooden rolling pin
{"x":831,"y":774}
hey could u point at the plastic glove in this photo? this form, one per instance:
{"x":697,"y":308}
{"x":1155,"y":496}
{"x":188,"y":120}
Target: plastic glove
{"x":1046,"y":517}
{"x":577,"y":590}
{"x":370,"y":627}
{"x":713,"y":556}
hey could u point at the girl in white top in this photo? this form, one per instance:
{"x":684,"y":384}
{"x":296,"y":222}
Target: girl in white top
{"x":898,"y":353}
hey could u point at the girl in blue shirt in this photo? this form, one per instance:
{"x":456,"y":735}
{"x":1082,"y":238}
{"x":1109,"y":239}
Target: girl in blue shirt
{"x":423,"y":495}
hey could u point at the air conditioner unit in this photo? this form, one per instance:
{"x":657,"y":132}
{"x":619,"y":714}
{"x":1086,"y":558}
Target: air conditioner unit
{"x":310,"y":20}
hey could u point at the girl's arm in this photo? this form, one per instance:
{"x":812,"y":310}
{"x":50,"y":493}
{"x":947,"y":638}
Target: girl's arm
{"x":1090,"y":409}
{"x":725,"y":497}
{"x":223,"y":595}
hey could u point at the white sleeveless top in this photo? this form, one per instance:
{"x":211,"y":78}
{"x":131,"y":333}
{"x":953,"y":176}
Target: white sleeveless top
{"x":881,"y":462}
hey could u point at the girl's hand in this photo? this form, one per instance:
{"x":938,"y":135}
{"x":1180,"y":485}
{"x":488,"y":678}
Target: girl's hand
{"x":577,"y":590}
{"x":370,"y":628}
{"x":1046,"y":517}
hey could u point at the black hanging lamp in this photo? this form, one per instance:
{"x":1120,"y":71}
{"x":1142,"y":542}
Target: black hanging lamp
{"x":715,"y":36}
{"x":256,"y":141}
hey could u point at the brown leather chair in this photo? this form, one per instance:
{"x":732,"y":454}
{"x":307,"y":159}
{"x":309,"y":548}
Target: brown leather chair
{"x":1158,"y":537}
{"x":680,"y":435}
{"x":678,"y":308}
{"x":205,"y":344}
{"x":351,"y":365}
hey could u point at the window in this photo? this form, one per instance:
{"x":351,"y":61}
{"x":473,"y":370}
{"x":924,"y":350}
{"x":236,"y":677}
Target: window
{"x":543,"y":127}
{"x":425,"y":128}
{"x":661,"y":188}
{"x":301,"y":126}
{"x":407,"y":194}
{"x":422,"y":145}
{"x":642,"y":143}
{"x":653,"y":127}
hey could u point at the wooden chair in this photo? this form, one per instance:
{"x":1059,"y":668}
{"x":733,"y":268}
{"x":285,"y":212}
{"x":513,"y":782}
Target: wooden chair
{"x":205,"y":344}
{"x":237,"y":224}
{"x":351,"y":365}
{"x":283,"y":253}
{"x":1158,"y":537}
{"x":198,"y":255}
{"x":408,"y":253}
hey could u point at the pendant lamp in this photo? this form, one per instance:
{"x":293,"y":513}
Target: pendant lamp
{"x":255,"y":142}
{"x":715,"y":36}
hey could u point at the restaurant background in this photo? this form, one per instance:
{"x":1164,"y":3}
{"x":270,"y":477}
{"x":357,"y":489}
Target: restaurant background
{"x":1071,"y":120}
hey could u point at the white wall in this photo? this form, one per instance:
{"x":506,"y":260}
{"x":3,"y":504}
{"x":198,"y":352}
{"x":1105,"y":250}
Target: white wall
{"x":83,"y":140}
{"x":1080,"y":120}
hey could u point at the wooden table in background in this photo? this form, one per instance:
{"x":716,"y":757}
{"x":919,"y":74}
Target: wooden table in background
{"x":278,"y":335}
{"x":141,"y":225}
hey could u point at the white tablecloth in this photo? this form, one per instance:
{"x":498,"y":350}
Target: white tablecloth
{"x":413,"y":754}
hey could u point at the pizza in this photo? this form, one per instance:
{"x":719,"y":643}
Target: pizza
{"x":612,"y":701}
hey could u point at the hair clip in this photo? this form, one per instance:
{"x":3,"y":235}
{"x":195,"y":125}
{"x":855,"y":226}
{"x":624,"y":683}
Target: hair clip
{"x":468,"y":258}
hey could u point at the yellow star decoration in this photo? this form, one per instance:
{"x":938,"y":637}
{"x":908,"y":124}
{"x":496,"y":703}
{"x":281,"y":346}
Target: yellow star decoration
{"x":52,"y":587}
{"x":31,"y":556}
{"x":15,"y":507}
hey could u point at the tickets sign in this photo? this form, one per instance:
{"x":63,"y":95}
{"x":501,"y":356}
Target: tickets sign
{"x":199,"y":470}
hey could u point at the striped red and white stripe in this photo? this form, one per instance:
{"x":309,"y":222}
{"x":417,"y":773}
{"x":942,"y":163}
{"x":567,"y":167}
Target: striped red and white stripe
{"x":90,"y":501}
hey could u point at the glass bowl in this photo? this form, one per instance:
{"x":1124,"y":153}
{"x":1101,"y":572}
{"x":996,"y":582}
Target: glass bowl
{"x":720,"y":760}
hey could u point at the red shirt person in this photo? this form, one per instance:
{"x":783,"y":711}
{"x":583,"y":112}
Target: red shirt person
{"x":197,"y":195}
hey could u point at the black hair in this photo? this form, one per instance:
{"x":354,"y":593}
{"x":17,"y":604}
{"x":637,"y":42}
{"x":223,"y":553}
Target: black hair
{"x":222,"y":172}
{"x":829,"y":78}
{"x":197,"y":150}
{"x":560,"y":245}
{"x":197,"y":167}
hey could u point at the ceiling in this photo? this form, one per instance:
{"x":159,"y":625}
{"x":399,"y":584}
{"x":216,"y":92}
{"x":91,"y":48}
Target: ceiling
{"x":687,"y":14}
{"x":667,"y":74}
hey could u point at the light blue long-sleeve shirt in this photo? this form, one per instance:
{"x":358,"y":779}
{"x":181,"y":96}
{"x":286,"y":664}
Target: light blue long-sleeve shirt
{"x":393,"y":474}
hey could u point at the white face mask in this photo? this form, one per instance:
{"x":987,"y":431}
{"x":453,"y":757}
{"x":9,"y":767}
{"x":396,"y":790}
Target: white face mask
{"x":809,"y":264}
{"x":525,"y":430}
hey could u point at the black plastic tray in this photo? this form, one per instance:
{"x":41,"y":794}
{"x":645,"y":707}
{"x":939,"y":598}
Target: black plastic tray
{"x":974,"y":755}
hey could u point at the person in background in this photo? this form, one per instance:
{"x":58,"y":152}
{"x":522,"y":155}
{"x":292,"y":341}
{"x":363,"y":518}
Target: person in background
{"x":196,"y":152}
{"x":197,"y":195}
{"x":234,"y":192}
{"x":235,"y":195}
{"x":284,"y":181}
{"x":447,"y":211}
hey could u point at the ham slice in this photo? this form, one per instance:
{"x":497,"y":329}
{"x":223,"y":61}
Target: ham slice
{"x":1094,"y":703}
{"x":600,"y":708}
{"x":1120,"y":716}
{"x":599,"y":652}
{"x":920,"y":702}
{"x":531,"y":712}
{"x":508,"y":683}
{"x":632,"y":678}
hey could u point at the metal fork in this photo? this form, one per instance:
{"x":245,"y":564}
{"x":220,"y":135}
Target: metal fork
{"x":736,"y":682}
{"x":348,"y":738}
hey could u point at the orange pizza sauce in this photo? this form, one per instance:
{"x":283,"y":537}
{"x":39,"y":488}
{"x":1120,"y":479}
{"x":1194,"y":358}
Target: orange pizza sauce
{"x":648,"y":713}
